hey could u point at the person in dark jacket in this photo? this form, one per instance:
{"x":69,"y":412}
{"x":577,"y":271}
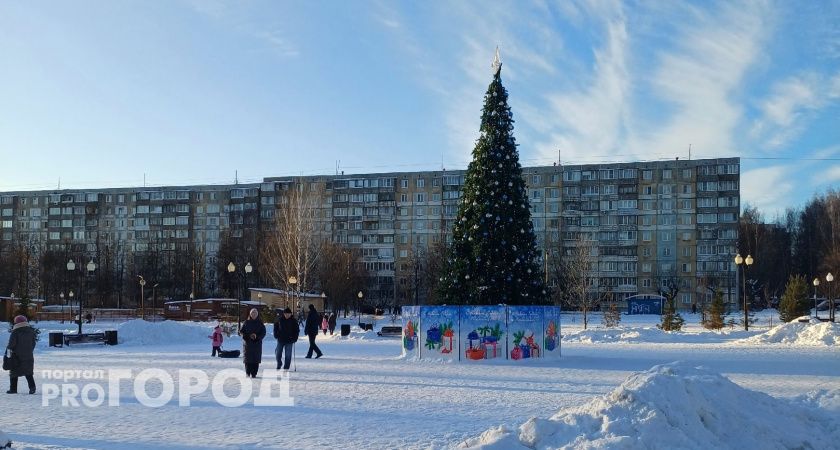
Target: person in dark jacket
{"x":22,"y":346}
{"x":286,"y":331}
{"x":252,"y":332}
{"x":332,"y":323}
{"x":311,"y":330}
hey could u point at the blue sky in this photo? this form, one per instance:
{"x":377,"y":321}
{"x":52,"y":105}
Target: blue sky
{"x":99,"y":93}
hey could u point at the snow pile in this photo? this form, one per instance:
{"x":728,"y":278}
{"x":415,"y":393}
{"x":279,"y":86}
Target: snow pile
{"x":141,"y":332}
{"x":5,"y":442}
{"x":676,"y":406}
{"x":635,"y":335}
{"x":825,"y":399}
{"x":798,"y":333}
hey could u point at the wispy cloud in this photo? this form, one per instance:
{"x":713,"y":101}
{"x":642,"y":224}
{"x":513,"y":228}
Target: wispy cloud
{"x":278,"y":43}
{"x":786,"y":111}
{"x":768,"y":188}
{"x":643,"y":105}
{"x":699,"y":79}
{"x":238,"y":20}
{"x":831,"y":175}
{"x":591,"y":121}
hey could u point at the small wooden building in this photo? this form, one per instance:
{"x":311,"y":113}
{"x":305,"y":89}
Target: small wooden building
{"x":8,"y":306}
{"x":208,"y":309}
{"x":296,"y":301}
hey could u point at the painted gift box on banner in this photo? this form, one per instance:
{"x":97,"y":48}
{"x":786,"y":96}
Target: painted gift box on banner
{"x":480,"y":333}
{"x":438,"y":332}
{"x":483,"y":331}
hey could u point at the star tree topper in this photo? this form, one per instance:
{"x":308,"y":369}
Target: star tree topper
{"x":497,"y":62}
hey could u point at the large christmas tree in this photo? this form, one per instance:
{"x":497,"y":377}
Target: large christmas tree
{"x":493,"y":257}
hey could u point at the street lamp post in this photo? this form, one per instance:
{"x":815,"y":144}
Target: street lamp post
{"x":142,"y":298}
{"x":816,"y":283}
{"x":192,"y":297}
{"x":71,"y":266}
{"x":829,"y":278}
{"x":746,"y":262}
{"x":248,"y":269}
{"x":293,"y":281}
{"x":359,"y":307}
{"x":91,"y":267}
{"x":154,"y":302}
{"x":231,"y":268}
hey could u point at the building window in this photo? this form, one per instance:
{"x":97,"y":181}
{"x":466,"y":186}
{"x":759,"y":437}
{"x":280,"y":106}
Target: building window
{"x":404,"y":184}
{"x":421,"y":183}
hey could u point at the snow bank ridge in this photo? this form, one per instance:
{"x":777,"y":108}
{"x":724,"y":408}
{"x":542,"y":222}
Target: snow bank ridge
{"x":677,"y":406}
{"x":799,"y":333}
{"x":141,"y":332}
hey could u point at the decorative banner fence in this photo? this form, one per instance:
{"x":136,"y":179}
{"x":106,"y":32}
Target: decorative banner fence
{"x":477,"y":333}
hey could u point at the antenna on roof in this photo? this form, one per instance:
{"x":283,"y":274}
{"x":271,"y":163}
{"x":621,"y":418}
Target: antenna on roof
{"x":59,"y":183}
{"x":689,"y":152}
{"x":235,"y":177}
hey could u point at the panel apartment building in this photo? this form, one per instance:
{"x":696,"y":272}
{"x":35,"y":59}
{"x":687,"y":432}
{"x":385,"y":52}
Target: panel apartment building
{"x":643,"y":221}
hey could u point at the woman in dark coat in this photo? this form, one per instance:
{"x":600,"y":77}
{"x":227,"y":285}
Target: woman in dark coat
{"x":252,"y":332}
{"x":311,"y":330}
{"x":22,"y":346}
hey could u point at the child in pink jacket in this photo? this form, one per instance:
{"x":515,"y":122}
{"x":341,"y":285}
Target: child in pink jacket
{"x":217,"y":340}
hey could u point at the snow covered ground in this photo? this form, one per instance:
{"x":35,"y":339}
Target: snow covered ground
{"x":362,"y":394}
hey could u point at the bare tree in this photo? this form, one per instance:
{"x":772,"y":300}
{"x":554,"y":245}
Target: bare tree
{"x":292,"y":247}
{"x":577,"y":277}
{"x":669,"y":285}
{"x":431,"y":263}
{"x":341,"y":274}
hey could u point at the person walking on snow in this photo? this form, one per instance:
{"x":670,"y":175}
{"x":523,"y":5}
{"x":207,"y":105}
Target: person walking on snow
{"x":22,"y":347}
{"x":252,"y":332}
{"x":311,"y":330}
{"x":286,"y":331}
{"x":218,"y":339}
{"x":332,"y":323}
{"x":325,"y":324}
